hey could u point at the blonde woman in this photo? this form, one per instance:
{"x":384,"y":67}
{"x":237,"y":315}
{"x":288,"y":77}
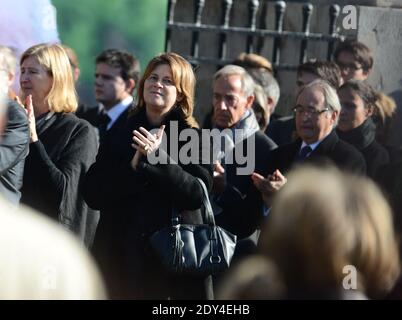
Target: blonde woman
{"x":62,"y":147}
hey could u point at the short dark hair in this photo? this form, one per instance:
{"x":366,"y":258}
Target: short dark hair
{"x":129,"y":65}
{"x":363,"y":90}
{"x":359,"y":50}
{"x":325,"y":70}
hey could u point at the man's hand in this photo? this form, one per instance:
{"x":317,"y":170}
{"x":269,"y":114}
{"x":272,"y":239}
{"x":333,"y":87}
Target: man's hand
{"x":219,"y":178}
{"x":269,"y":185}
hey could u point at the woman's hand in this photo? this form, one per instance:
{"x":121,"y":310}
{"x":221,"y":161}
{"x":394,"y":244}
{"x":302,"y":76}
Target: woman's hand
{"x":31,"y":117}
{"x":145,"y":143}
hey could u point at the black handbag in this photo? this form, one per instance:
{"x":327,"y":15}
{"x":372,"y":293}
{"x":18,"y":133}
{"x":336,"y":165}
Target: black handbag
{"x":198,"y":249}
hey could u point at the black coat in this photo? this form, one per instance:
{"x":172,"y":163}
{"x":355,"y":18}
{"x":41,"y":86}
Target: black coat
{"x":54,"y":172}
{"x":282,"y":131}
{"x":331,"y":150}
{"x":14,"y":147}
{"x":241,"y":202}
{"x":363,"y":139}
{"x":136,"y":203}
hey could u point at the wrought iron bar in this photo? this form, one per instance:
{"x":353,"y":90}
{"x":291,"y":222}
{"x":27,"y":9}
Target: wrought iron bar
{"x":333,"y":17}
{"x":253,"y":8}
{"x":257,"y":32}
{"x":307,"y":13}
{"x":226,"y":7}
{"x":199,"y":6}
{"x":170,"y":19}
{"x":280,"y":7}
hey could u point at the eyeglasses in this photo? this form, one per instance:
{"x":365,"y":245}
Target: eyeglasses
{"x":229,"y":99}
{"x":348,"y":66}
{"x":310,"y":112}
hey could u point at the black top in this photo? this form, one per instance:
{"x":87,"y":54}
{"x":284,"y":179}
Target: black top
{"x":55,"y":169}
{"x":363,"y":139}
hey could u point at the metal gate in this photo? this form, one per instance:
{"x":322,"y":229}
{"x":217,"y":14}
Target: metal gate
{"x":256,"y":32}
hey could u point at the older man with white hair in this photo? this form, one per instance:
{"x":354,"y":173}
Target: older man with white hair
{"x":316,"y":115}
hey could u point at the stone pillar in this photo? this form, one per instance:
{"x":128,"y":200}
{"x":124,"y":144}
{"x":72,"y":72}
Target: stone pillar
{"x":381,"y":30}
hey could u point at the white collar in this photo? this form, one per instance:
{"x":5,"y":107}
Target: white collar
{"x":314,"y":145}
{"x":115,"y":111}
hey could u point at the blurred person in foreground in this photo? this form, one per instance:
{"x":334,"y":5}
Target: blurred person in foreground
{"x":40,"y":260}
{"x":331,"y":239}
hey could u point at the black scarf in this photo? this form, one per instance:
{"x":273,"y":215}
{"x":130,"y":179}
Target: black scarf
{"x":359,"y":137}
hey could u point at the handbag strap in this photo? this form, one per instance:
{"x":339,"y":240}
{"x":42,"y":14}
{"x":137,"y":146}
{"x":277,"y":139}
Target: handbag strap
{"x":209,"y":214}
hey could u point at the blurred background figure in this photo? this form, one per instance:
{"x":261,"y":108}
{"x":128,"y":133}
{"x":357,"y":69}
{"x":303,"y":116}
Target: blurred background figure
{"x":56,"y":164}
{"x":14,"y":142}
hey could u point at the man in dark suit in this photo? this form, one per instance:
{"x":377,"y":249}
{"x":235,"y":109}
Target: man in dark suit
{"x":239,"y":206}
{"x":14,"y":140}
{"x":316,"y":115}
{"x":116,"y":76}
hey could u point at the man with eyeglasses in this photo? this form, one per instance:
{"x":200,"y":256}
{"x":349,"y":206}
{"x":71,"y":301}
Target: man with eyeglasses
{"x":238,"y":204}
{"x":316,"y":115}
{"x":354,"y":59}
{"x":283,"y":130}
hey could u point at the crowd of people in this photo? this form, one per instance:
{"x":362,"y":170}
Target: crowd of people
{"x":307,"y":195}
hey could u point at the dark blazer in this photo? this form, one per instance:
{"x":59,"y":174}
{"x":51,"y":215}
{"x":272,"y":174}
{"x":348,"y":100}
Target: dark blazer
{"x":241,"y":202}
{"x":14,"y":147}
{"x":282,"y":131}
{"x":136,"y":203}
{"x":54,"y":172}
{"x":93,"y":116}
{"x":331,"y":150}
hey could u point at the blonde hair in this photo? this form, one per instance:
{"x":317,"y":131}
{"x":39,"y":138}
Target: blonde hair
{"x":385,"y":106}
{"x":376,"y":253}
{"x":183,"y":79}
{"x":62,"y":96}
